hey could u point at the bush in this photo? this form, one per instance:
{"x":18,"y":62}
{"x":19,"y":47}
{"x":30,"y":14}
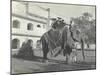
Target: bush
{"x":26,"y":51}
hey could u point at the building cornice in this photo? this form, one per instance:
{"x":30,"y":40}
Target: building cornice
{"x":27,"y":18}
{"x":26,"y":35}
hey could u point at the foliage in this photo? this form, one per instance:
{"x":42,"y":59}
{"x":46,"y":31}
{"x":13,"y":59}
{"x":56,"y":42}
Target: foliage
{"x":86,"y":24}
{"x":26,"y":51}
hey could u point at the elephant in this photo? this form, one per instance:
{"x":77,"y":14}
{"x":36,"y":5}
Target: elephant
{"x":58,"y":36}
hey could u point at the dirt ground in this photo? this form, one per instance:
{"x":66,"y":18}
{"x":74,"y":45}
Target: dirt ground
{"x":54,"y":64}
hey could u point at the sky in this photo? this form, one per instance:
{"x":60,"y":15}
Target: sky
{"x":68,"y":11}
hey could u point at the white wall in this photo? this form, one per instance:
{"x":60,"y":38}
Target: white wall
{"x":20,"y":8}
{"x":22,"y":30}
{"x":23,"y":27}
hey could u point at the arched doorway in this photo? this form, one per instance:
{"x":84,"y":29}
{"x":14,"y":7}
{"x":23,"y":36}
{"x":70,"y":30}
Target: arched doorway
{"x":31,"y":41}
{"x":38,"y":44}
{"x":15,"y":44}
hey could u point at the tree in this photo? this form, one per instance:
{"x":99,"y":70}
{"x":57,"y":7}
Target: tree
{"x":86,"y":24}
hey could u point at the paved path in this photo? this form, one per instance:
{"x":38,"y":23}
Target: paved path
{"x":54,"y":64}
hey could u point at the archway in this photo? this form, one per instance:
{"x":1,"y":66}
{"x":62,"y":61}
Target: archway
{"x":15,"y":44}
{"x":31,"y":41}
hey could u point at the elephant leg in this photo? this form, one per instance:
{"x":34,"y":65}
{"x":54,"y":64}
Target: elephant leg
{"x":67,"y":58}
{"x":45,"y":54}
{"x":44,"y":48}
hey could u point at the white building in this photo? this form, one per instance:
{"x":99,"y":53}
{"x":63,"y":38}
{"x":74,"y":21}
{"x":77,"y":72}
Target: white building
{"x":29,"y":22}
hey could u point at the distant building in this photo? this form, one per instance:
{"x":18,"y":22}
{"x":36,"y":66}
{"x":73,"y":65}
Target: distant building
{"x":28,"y":23}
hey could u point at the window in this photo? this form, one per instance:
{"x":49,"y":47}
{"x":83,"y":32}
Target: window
{"x":38,"y":26}
{"x":16,"y":24}
{"x":30,"y":26}
{"x":15,"y":44}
